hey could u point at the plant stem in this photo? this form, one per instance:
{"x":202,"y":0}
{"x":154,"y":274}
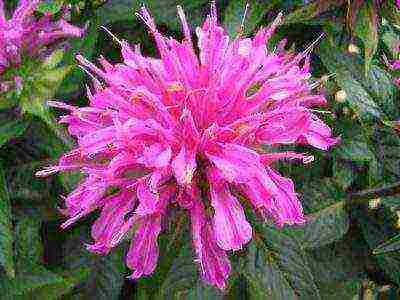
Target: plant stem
{"x":388,"y":190}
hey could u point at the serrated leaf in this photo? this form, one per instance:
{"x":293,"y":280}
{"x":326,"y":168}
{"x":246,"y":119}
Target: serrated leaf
{"x":367,"y":30}
{"x":319,"y":194}
{"x":376,"y":229}
{"x":326,"y":226}
{"x":106,"y":273}
{"x":292,"y":259}
{"x":182,"y":275}
{"x":10,"y":130}
{"x":350,"y":77}
{"x":57,"y":289}
{"x":6,"y":233}
{"x":355,"y":150}
{"x":35,"y":277}
{"x":266,"y":279}
{"x":233,"y":15}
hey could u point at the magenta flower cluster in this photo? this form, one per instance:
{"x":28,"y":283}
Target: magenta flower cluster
{"x":24,"y":34}
{"x":194,"y":128}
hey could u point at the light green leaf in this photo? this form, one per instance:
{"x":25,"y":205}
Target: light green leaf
{"x":50,"y":6}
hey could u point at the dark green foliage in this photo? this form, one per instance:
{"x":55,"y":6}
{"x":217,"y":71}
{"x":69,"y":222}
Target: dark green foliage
{"x":350,"y":246}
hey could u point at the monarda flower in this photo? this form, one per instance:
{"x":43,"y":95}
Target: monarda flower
{"x":26,"y":35}
{"x":188,"y":130}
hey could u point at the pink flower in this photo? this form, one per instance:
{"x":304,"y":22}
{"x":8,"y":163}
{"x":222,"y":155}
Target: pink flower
{"x":24,"y":34}
{"x":191,"y":130}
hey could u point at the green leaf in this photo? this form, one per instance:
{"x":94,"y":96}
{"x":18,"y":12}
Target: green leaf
{"x":44,"y":89}
{"x":106,"y":273}
{"x":57,"y":289}
{"x":343,"y":173}
{"x":292,"y":258}
{"x":390,"y":12}
{"x":367,"y":30}
{"x":10,"y":130}
{"x":377,"y":229}
{"x":392,"y":244}
{"x":326,"y":226}
{"x":36,"y":277}
{"x":266,"y":279}
{"x":355,"y":150}
{"x":344,"y":289}
{"x":164,"y":12}
{"x":319,"y":194}
{"x":6,"y":233}
{"x":50,"y":6}
{"x":350,"y":77}
{"x":233,"y":15}
{"x":386,"y":145}
{"x":29,"y":248}
{"x":200,"y":291}
{"x":310,"y":11}
{"x":335,"y":262}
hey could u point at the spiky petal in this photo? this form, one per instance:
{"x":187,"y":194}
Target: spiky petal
{"x":193,"y":131}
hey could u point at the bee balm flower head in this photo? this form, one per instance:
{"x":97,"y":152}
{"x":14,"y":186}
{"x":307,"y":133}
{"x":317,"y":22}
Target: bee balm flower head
{"x":187,"y":130}
{"x":24,"y":34}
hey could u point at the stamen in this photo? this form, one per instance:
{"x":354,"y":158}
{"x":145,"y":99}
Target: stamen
{"x":113,"y":36}
{"x":87,"y":72}
{"x":213,"y":11}
{"x":185,"y":26}
{"x":146,"y":18}
{"x":244,"y":18}
{"x":311,"y":47}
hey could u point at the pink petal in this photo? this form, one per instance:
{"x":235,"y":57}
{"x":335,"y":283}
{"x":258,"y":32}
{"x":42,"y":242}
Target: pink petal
{"x":143,"y":251}
{"x":214,"y":263}
{"x":232,"y":231}
{"x":184,"y":165}
{"x":111,"y":221}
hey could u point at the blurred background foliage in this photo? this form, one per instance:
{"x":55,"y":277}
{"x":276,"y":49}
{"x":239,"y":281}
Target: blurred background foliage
{"x":349,"y":249}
